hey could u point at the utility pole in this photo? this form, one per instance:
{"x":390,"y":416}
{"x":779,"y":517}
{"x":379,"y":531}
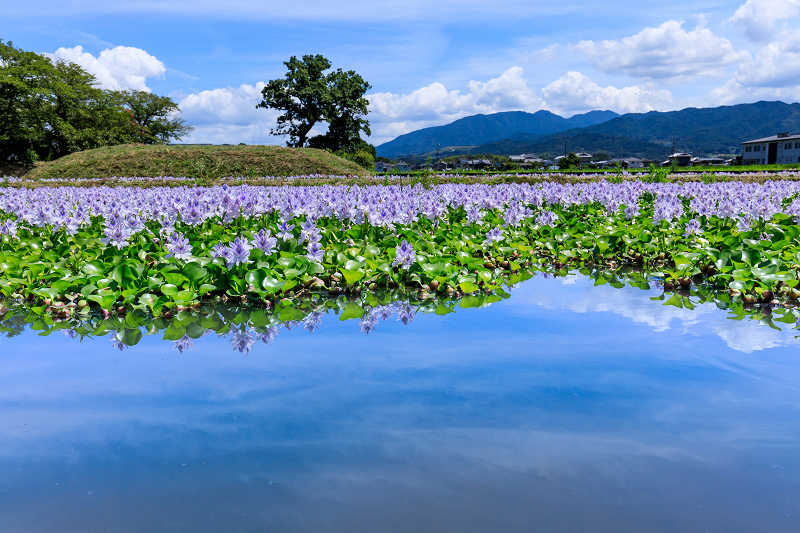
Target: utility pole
{"x":565,"y":148}
{"x":673,"y":145}
{"x":437,"y":152}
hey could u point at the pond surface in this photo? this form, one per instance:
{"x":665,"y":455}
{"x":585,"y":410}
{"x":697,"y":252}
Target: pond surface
{"x":566,"y":407}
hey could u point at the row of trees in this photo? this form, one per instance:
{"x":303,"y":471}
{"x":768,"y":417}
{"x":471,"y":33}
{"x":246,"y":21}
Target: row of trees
{"x":50,"y":109}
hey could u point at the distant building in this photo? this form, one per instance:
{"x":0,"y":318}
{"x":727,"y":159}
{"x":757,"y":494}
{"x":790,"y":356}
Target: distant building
{"x":781,"y":148}
{"x":381,"y":166}
{"x":682,"y":159}
{"x":585,"y":158}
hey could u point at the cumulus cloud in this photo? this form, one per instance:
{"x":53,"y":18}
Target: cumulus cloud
{"x":576,"y":93}
{"x":394,"y":114}
{"x":229,"y":115}
{"x":122,"y":67}
{"x":667,"y":53}
{"x":757,"y":18}
{"x":773,"y":73}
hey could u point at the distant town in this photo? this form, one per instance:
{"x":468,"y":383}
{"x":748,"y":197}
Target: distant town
{"x":782,"y":148}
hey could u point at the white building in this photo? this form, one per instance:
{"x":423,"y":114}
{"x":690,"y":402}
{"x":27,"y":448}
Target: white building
{"x":782,"y":148}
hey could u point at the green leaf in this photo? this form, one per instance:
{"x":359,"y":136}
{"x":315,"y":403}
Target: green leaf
{"x":129,"y":337}
{"x":469,"y":301}
{"x":351,"y":276}
{"x":468,"y":287}
{"x":272,"y":285}
{"x":194,"y":271}
{"x":205,"y":288}
{"x":290,"y":314}
{"x":125,"y":276}
{"x":169,"y":290}
{"x":353,"y":310}
{"x":93,"y":268}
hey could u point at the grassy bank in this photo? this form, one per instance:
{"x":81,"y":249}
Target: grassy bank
{"x":198,"y":162}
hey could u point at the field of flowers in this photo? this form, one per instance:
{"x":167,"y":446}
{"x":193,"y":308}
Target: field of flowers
{"x":121,"y":248}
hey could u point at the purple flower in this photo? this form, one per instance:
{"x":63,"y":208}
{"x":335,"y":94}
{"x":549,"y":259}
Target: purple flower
{"x":546,"y":218}
{"x":368,"y":323}
{"x":117,"y":236}
{"x":9,"y":227}
{"x":693,"y":227}
{"x":404,"y":255}
{"x":238,"y":252}
{"x":494,"y":235}
{"x":265,"y":242}
{"x":219,"y":250}
{"x":315,"y":252}
{"x":184,"y":343}
{"x":309,"y":232}
{"x":285,"y":231}
{"x":268,"y":336}
{"x":243,"y":341}
{"x":178,"y":247}
{"x":405,"y":314}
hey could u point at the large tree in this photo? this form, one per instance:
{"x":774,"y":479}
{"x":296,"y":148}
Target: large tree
{"x":156,"y":116}
{"x":50,"y":109}
{"x":308,"y":96}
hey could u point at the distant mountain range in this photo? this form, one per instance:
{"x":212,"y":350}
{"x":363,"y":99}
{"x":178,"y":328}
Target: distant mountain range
{"x":481,"y":129}
{"x":699,"y":131}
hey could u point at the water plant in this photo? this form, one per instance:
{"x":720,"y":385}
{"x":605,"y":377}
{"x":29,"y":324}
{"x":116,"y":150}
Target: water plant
{"x":119,"y":247}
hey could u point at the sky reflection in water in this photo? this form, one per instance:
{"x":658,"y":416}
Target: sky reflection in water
{"x":567,"y":407}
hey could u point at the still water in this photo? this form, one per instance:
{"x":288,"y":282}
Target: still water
{"x":566,"y":407}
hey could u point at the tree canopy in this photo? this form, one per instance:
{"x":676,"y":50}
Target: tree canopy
{"x":50,"y":109}
{"x":308,"y":96}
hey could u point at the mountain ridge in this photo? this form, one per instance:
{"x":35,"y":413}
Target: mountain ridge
{"x":480,"y":129}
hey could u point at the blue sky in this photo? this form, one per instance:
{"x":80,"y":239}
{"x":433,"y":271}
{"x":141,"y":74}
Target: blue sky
{"x":429,"y":63}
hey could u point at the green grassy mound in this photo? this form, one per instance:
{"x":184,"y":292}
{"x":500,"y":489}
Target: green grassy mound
{"x":193,"y":161}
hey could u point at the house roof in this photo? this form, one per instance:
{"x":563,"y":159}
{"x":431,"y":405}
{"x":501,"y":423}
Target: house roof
{"x":780,"y":137}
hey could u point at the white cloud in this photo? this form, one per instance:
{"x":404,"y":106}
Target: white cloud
{"x":229,"y":115}
{"x":576,"y":93}
{"x":542,"y":56}
{"x":667,"y":53}
{"x":122,"y":67}
{"x":757,"y":18}
{"x":775,"y":65}
{"x":394,"y":114}
{"x":231,"y":105}
{"x":772,"y":73}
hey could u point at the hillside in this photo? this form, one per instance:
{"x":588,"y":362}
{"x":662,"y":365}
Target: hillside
{"x":194,"y":161}
{"x":701,"y":131}
{"x":553,"y":145}
{"x":481,"y":129}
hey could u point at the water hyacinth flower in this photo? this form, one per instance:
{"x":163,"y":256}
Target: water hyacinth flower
{"x":404,"y":255}
{"x":243,"y":341}
{"x":238,"y":252}
{"x":9,"y":227}
{"x":547,"y":218}
{"x":405,"y":314}
{"x":116,"y":236}
{"x":309,"y":232}
{"x":285,"y":231}
{"x":219,"y":250}
{"x":693,"y":227}
{"x":265,"y":242}
{"x":315,"y":252}
{"x":178,"y":247}
{"x":268,"y":336}
{"x":184,"y":343}
{"x":368,"y":323}
{"x":493,"y":235}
